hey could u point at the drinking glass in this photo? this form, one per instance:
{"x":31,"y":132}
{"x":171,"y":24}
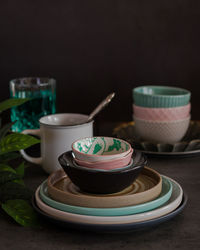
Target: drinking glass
{"x":42,"y":101}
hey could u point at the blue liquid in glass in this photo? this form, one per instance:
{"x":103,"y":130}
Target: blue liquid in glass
{"x":27,"y":115}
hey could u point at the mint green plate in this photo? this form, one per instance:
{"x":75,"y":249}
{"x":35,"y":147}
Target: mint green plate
{"x":160,"y":200}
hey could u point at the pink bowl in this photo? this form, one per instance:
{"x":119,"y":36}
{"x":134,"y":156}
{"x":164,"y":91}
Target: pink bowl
{"x":107,"y":165}
{"x":162,"y":114}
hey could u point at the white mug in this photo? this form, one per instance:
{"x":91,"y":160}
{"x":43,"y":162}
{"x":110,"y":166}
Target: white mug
{"x":57,"y":133}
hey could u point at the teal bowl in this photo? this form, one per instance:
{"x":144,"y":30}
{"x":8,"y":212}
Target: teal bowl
{"x":160,"y":200}
{"x":160,"y":96}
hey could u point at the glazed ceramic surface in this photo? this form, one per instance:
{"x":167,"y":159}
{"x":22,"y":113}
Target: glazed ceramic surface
{"x":160,"y":96}
{"x":160,"y":200}
{"x":188,"y":147}
{"x":101,"y":182}
{"x":179,"y":149}
{"x":137,"y":159}
{"x":107,"y":165}
{"x":162,"y":132}
{"x":119,"y":228}
{"x":162,"y":114}
{"x":57,"y":133}
{"x":130,"y":164}
{"x":100,"y":149}
{"x":168,"y":207}
{"x":146,"y":187}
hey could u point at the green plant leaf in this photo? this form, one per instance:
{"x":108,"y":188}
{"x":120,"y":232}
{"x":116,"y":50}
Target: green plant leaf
{"x":9,"y":157}
{"x":20,"y":169}
{"x":5,"y":129}
{"x":4,"y":167}
{"x":12,"y":190}
{"x":19,"y":172}
{"x":9,"y":103}
{"x":19,"y":181}
{"x":6,"y":176}
{"x":16,"y":141}
{"x":21,"y":212}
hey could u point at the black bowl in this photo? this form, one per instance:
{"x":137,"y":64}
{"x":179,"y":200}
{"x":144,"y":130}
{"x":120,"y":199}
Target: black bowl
{"x":102,"y":182}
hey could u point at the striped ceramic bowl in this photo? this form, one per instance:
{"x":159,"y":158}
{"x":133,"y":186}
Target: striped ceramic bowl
{"x":160,"y":96}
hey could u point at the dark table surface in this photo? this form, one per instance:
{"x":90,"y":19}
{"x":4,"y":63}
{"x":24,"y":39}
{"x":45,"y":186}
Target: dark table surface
{"x":181,"y":232}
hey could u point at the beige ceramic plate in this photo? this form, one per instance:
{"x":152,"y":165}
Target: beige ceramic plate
{"x":146,"y":188}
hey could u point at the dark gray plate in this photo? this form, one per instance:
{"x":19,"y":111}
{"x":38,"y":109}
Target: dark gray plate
{"x":171,"y":154}
{"x":115,"y":228}
{"x":188,"y":147}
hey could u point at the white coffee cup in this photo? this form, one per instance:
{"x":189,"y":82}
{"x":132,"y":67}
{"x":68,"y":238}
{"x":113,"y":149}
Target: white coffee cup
{"x":57,"y":133}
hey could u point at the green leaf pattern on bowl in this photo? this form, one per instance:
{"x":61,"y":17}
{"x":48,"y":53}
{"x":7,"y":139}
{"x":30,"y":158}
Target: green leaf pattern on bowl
{"x":97,"y":148}
{"x":101,"y":146}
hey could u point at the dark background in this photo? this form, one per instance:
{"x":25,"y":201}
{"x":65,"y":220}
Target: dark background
{"x":95,"y":47}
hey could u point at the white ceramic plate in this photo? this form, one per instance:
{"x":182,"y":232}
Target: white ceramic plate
{"x":171,"y":205}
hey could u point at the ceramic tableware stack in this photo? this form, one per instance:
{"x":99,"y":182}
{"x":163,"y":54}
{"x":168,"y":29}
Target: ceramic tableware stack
{"x":161,"y":113}
{"x":94,"y":198}
{"x":101,"y":164}
{"x":105,"y":153}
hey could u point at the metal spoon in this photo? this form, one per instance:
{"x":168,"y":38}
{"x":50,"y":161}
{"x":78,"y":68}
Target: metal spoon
{"x":104,"y":103}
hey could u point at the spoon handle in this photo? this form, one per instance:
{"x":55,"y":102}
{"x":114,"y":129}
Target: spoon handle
{"x":101,"y":106}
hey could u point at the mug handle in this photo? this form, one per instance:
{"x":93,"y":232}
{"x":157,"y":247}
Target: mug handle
{"x":36,"y":160}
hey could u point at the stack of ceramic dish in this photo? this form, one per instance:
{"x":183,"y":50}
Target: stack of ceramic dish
{"x":103,"y":153}
{"x":84,"y":198}
{"x":161,"y":114}
{"x":101,"y":164}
